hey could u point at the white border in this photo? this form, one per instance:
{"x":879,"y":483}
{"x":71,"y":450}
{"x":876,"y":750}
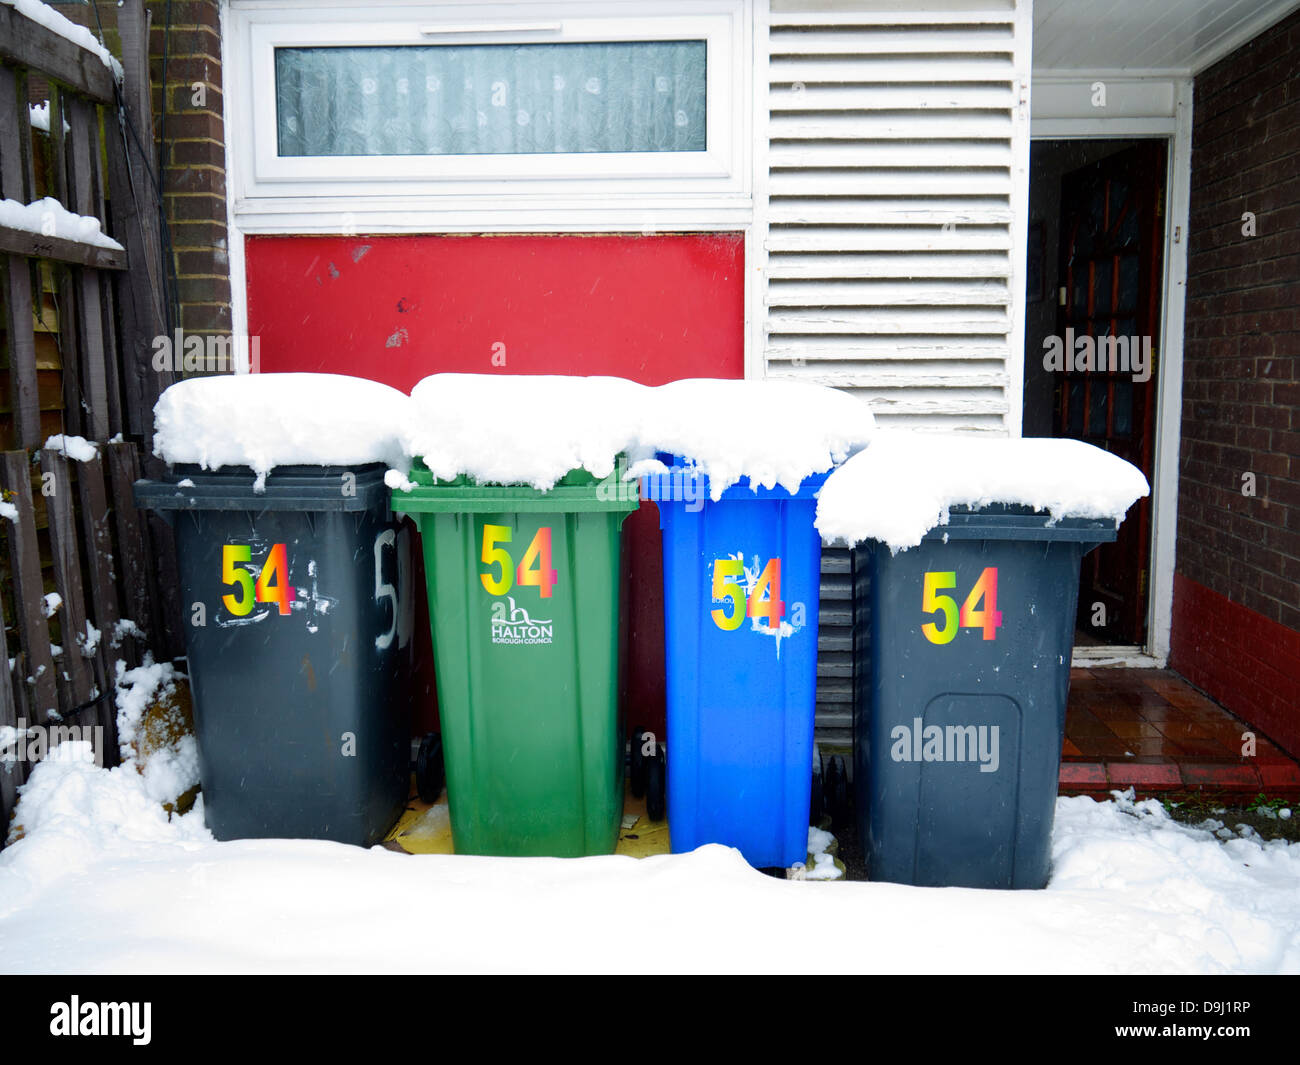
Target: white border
{"x":1019,"y":229}
{"x":272,"y":174}
{"x":1176,"y":128}
{"x":1169,"y":430}
{"x":582,"y":192}
{"x":756,"y":235}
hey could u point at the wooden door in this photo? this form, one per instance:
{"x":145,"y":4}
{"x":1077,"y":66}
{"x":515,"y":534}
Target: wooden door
{"x":1112,"y":237}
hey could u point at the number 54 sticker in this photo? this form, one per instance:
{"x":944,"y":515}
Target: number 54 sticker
{"x":272,"y":585}
{"x":534,"y":571}
{"x":728,"y":573}
{"x":971,"y":615}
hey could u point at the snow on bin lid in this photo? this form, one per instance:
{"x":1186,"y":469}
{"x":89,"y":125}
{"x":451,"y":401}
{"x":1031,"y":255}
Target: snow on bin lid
{"x":534,"y":429}
{"x":902,"y":485}
{"x":773,"y":432}
{"x":523,"y":428}
{"x":280,"y":419}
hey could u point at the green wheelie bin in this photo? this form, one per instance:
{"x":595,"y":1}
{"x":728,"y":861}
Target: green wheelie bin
{"x":524,"y":604}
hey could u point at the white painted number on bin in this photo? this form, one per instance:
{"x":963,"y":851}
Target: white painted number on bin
{"x":406,"y":616}
{"x":402,"y":604}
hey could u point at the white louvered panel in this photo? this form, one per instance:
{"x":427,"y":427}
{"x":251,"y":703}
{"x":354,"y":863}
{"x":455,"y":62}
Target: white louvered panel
{"x":905,"y":264}
{"x":786,"y":71}
{"x":920,"y":211}
{"x":895,"y":156}
{"x":891,"y":349}
{"x":890,"y":97}
{"x":808,"y":183}
{"x":892,"y":144}
{"x":893,"y":125}
{"x":950,"y":154}
{"x":881,"y":321}
{"x":846,"y":39}
{"x":815,"y":13}
{"x":829,"y":239}
{"x":984,"y":375}
{"x":904,"y":292}
{"x":948,"y":400}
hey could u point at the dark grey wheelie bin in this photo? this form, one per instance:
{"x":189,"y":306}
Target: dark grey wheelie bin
{"x":296,"y":602}
{"x":963,"y":670}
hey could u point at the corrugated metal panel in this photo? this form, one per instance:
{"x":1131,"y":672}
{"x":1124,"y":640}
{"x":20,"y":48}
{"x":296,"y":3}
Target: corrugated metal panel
{"x":889,"y":229}
{"x":835,"y":652}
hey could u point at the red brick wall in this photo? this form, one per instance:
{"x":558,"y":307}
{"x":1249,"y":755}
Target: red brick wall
{"x":1249,"y":663}
{"x":1237,"y":595}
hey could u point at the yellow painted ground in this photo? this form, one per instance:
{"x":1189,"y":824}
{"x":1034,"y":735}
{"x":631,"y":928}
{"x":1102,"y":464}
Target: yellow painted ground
{"x":425,"y":829}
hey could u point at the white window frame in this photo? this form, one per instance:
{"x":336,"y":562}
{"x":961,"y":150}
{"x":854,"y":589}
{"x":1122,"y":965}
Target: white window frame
{"x":266,"y":180}
{"x":680,"y":203}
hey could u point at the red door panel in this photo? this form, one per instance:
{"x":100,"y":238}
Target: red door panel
{"x":397,"y":308}
{"x":653,"y":309}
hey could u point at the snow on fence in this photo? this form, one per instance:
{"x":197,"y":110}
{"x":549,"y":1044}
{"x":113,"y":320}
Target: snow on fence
{"x":67,"y":515}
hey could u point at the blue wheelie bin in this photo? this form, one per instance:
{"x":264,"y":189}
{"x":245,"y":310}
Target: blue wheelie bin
{"x":741,"y":583}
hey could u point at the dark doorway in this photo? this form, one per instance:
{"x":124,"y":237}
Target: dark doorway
{"x":1092,"y":340}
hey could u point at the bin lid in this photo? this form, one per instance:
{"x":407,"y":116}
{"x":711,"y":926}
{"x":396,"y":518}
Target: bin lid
{"x":1000,"y":521}
{"x":266,"y":420}
{"x":187,"y":486}
{"x":906,"y":483}
{"x":762,"y":432}
{"x":577,"y":490}
{"x":528,"y":430}
{"x":672,"y":485}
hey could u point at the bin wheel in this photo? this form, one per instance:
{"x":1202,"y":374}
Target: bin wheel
{"x":637,"y":775}
{"x":816,"y":803}
{"x":429,"y":769}
{"x":655,"y":773}
{"x":837,"y":790}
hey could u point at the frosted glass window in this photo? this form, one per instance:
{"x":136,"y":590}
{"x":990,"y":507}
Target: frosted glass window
{"x":491,"y":99}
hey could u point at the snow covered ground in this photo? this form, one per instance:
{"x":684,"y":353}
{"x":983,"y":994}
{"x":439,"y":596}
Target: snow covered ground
{"x":103,"y":882}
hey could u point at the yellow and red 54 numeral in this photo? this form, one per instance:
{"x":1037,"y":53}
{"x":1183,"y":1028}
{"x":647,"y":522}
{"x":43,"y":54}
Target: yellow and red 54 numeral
{"x":727,"y":587}
{"x":272,"y":585}
{"x":971,"y":616}
{"x":534,"y":571}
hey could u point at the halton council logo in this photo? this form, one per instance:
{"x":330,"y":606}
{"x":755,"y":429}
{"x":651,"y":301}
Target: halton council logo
{"x":516,"y":627}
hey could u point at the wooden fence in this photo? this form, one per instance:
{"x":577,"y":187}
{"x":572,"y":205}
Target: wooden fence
{"x":78,"y":320}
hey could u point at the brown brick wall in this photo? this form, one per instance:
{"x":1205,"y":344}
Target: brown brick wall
{"x":187,"y":116}
{"x":1241,"y":375}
